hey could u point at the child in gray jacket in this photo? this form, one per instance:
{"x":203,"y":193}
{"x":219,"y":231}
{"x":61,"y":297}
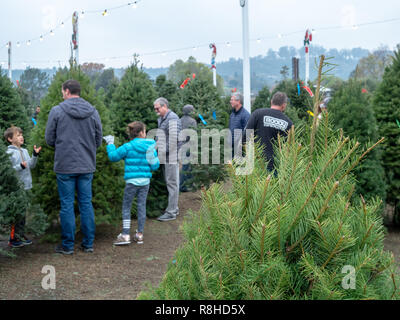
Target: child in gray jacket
{"x":22,"y":164}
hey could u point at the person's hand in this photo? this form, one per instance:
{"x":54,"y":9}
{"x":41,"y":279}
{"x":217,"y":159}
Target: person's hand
{"x":24,"y":164}
{"x":109,"y":139}
{"x":37,"y":150}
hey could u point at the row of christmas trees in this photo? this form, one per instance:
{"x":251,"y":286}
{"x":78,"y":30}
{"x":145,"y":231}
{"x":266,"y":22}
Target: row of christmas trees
{"x":128,"y":100}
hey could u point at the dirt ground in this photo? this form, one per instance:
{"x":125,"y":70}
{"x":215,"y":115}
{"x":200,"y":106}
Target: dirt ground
{"x":110,"y":272}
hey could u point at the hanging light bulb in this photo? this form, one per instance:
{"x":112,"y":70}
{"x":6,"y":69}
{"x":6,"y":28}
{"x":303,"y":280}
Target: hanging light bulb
{"x":51,"y":32}
{"x":7,"y":45}
{"x":228,"y":44}
{"x":28,"y":43}
{"x":18,"y":44}
{"x":105,"y":13}
{"x":41,"y":38}
{"x":258,"y":40}
{"x":134,"y":5}
{"x":62,"y":25}
{"x":194,"y":48}
{"x":354,"y":27}
{"x":82,"y":14}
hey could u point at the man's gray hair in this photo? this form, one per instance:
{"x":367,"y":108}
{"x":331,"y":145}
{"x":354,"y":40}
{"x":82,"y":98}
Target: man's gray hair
{"x":162,"y":102}
{"x":238,"y":96}
{"x":279,"y":99}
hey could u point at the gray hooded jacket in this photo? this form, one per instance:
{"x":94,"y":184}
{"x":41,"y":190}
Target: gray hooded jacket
{"x":74,"y":130}
{"x":17,"y":156}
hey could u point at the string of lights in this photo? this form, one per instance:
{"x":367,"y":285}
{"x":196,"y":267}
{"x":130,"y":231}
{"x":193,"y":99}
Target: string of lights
{"x":193,"y":47}
{"x":82,"y":14}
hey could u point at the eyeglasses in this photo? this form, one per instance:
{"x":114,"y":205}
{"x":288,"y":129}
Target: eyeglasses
{"x":157,"y":108}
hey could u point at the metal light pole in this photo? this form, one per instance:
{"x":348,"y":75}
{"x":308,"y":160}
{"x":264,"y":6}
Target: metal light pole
{"x":246,"y":58}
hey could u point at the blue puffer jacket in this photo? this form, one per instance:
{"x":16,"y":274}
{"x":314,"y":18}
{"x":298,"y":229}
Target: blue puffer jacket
{"x":140,"y":157}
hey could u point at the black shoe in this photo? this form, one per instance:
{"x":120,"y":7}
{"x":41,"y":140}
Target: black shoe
{"x":87,"y":250}
{"x":61,"y":249}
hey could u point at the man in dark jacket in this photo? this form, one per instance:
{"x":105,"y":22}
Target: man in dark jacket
{"x":188,"y":122}
{"x":237,"y":120}
{"x":74,"y":129}
{"x":267,"y":123}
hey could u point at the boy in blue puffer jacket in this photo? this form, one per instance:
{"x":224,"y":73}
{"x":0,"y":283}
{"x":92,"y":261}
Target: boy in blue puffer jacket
{"x":141,"y":159}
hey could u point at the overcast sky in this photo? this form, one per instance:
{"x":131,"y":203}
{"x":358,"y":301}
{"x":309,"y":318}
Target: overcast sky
{"x":156,"y":26}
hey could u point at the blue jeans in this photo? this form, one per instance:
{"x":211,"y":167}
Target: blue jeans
{"x":67,"y":184}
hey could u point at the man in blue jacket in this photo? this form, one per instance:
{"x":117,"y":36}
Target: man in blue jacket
{"x":74,"y":129}
{"x":237,"y":120}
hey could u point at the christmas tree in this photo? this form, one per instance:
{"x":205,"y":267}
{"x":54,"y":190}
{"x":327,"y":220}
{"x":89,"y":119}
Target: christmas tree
{"x":386,"y":104}
{"x":133,"y":101}
{"x":12,"y":112}
{"x":210,"y":113}
{"x":296,"y":235}
{"x":108,"y":179}
{"x":262,"y":100}
{"x":169,"y":90}
{"x":15,"y":202}
{"x":350,"y":109}
{"x":300,"y":102}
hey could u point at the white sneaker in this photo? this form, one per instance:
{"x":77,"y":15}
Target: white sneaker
{"x":123,"y":239}
{"x":138,"y":238}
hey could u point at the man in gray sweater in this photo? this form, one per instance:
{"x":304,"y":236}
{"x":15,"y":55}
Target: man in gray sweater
{"x":74,"y":129}
{"x":169,"y":126}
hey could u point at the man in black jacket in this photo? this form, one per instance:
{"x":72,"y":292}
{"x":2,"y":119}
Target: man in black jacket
{"x":267,"y":123}
{"x":74,"y":129}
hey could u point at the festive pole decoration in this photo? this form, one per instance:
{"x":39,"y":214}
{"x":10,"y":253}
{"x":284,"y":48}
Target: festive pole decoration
{"x":193,"y":75}
{"x":9,"y":61}
{"x":234,"y":90}
{"x":75,"y":41}
{"x":214,"y":115}
{"x":298,"y":89}
{"x":364,"y":90}
{"x":310,"y":113}
{"x":184,"y":83}
{"x":213,"y":66}
{"x":309,"y":91}
{"x":307,"y":40}
{"x":202,"y":119}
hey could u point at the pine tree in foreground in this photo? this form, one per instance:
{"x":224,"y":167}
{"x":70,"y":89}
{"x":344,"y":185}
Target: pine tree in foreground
{"x":107,"y":186}
{"x":294,"y":236}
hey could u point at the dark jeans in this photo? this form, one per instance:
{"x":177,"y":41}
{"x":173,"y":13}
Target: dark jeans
{"x":185,"y":175}
{"x":18,"y":230}
{"x":129,"y":194}
{"x":67,"y":184}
